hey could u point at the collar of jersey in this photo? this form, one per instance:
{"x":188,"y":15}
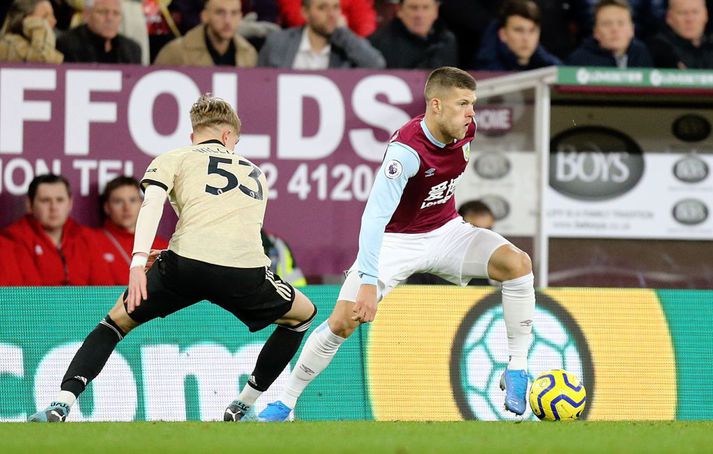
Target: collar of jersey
{"x":205,"y":142}
{"x":433,"y":140}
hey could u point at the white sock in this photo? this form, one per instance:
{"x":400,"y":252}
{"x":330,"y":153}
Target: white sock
{"x":66,"y":398}
{"x":249,"y":395}
{"x":519,"y":310}
{"x":320,"y":348}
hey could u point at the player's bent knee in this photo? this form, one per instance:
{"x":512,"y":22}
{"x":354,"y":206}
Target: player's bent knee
{"x":121,"y":318}
{"x":521,"y":265}
{"x":341,"y":324}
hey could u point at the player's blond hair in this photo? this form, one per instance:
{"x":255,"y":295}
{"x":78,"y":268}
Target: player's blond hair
{"x":447,"y":77}
{"x":210,"y":111}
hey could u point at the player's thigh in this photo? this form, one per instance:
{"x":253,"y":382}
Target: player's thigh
{"x":166,"y":290}
{"x":119,"y":315}
{"x":258,"y":297}
{"x":464,"y":252}
{"x":400,"y":257}
{"x":302,"y":310}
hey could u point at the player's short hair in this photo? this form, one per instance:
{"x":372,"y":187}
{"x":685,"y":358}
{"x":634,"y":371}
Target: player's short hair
{"x":447,"y":77}
{"x":210,"y":111}
{"x":604,"y":3}
{"x":527,"y":9}
{"x":475,"y":207}
{"x":18,"y":11}
{"x":49,"y":178}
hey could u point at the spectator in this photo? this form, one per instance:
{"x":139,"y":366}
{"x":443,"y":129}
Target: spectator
{"x":683,"y":43}
{"x":415,"y":38}
{"x":468,"y":20}
{"x":479,"y":215}
{"x":282,"y":260}
{"x":99,"y":41}
{"x":214,"y":42}
{"x":320,"y":44}
{"x":62,"y":251}
{"x":17,"y":269}
{"x":120,"y":202}
{"x":613,"y":42}
{"x":565,"y":24}
{"x":27,"y":34}
{"x":513,"y":42}
{"x":358,"y":15}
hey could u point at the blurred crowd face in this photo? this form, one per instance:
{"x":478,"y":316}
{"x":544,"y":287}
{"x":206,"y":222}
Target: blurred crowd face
{"x":521,"y":36}
{"x":122,"y":206}
{"x":222,"y":17}
{"x":44,"y":10}
{"x":104,"y":18}
{"x":51,"y":205}
{"x":687,"y":18}
{"x":480,"y":219}
{"x":418,"y":15}
{"x":614,"y":29}
{"x":322,"y":16}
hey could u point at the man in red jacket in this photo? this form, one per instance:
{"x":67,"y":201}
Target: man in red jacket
{"x":121,"y":202}
{"x":17,"y":269}
{"x":62,"y":251}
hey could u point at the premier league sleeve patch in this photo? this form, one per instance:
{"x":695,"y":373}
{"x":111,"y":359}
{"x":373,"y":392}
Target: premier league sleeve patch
{"x":393,"y":169}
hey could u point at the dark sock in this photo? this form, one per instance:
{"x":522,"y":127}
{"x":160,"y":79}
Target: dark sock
{"x":92,"y":356}
{"x":279,"y":349}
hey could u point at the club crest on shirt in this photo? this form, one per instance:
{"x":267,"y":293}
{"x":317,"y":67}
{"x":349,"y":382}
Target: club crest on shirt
{"x":393,"y":169}
{"x":466,"y":152}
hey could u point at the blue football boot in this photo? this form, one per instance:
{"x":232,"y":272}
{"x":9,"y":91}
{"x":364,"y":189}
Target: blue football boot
{"x":514,"y":383}
{"x":274,"y":412}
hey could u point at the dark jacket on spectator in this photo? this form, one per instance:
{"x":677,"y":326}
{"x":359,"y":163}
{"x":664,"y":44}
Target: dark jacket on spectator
{"x":671,"y":51}
{"x":347,"y":50}
{"x":494,"y":55}
{"x":403,"y":49}
{"x":591,"y":54}
{"x":82,"y":45}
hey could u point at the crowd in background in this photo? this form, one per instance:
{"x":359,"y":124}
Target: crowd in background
{"x":498,"y":35}
{"x":46,"y":247}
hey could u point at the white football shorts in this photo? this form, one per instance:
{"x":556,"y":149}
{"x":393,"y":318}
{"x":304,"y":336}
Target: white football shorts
{"x":441,"y":252}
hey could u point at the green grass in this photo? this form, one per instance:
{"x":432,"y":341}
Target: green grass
{"x":359,"y":437}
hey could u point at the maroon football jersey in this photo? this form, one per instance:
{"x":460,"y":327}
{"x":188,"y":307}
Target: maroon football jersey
{"x":427,"y":201}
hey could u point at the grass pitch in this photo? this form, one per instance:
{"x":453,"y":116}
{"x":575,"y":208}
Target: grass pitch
{"x":359,"y":437}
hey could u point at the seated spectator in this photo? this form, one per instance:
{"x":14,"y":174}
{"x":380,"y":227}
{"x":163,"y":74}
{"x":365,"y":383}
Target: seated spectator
{"x":320,"y":44}
{"x":479,"y":215}
{"x":282,"y":260}
{"x":648,"y":17}
{"x":683,"y":43}
{"x":28,"y":33}
{"x":121,"y":202}
{"x":613,"y":42}
{"x":358,"y":15}
{"x":62,"y":251}
{"x":564,"y":25}
{"x":415,"y":38}
{"x":513,"y":42}
{"x":99,"y":40}
{"x":17,"y":269}
{"x":214,"y":42}
{"x":468,"y":20}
